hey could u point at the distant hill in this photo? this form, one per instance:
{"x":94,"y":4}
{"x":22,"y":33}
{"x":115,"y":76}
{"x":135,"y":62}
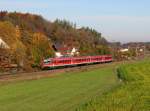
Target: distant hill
{"x":31,"y":36}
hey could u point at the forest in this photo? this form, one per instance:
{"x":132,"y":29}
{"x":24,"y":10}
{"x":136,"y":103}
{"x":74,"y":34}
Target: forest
{"x":31,"y":37}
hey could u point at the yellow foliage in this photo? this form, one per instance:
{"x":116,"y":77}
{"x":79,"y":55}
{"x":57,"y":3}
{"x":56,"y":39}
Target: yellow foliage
{"x":17,"y":49}
{"x":7,"y":32}
{"x":18,"y":32}
{"x":41,"y":47}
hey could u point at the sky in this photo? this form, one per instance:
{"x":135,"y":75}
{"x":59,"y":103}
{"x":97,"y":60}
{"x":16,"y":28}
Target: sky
{"x":117,"y":20}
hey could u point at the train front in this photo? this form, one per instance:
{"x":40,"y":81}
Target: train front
{"x":46,"y":63}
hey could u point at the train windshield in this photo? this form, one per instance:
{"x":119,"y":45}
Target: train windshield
{"x":47,"y":61}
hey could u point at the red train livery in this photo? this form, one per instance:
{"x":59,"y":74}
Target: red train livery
{"x":72,"y":61}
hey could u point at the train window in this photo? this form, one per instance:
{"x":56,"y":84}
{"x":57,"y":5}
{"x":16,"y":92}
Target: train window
{"x":77,"y":60}
{"x":65,"y":61}
{"x":60,"y":61}
{"x":54,"y":61}
{"x":93,"y":58}
{"x":68,"y":61}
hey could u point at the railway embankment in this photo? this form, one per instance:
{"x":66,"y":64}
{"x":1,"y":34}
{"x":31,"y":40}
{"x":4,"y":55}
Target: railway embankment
{"x":19,"y":76}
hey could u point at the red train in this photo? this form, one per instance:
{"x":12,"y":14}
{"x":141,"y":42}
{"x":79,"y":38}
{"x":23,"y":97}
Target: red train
{"x":72,"y":61}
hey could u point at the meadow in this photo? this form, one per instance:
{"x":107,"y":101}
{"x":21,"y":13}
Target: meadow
{"x":63,"y":92}
{"x":132,"y":95}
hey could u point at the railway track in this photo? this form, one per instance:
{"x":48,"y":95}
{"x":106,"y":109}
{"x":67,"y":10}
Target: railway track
{"x":29,"y":76}
{"x":48,"y":73}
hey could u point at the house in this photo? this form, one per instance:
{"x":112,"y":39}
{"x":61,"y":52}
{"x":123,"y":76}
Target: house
{"x":74,"y":52}
{"x":3,"y":44}
{"x":65,"y":50}
{"x":124,"y":50}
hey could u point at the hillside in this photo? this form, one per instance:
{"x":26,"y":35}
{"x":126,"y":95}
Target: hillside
{"x":31,"y":37}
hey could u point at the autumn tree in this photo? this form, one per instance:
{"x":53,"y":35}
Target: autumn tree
{"x":16,"y":48}
{"x":19,"y":53}
{"x":41,"y":48}
{"x":7,"y":32}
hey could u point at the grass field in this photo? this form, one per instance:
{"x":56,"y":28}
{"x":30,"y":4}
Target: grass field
{"x":60,"y":93}
{"x":132,"y":95}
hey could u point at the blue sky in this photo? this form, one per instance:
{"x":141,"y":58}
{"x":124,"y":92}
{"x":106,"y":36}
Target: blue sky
{"x":117,"y":20}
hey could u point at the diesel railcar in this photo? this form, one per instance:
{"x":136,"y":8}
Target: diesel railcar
{"x":73,"y":61}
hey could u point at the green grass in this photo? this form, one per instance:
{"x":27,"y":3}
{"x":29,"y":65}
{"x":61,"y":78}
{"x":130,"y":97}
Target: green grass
{"x":60,"y":93}
{"x":132,"y":95}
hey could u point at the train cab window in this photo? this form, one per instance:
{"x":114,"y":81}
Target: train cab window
{"x":47,"y":61}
